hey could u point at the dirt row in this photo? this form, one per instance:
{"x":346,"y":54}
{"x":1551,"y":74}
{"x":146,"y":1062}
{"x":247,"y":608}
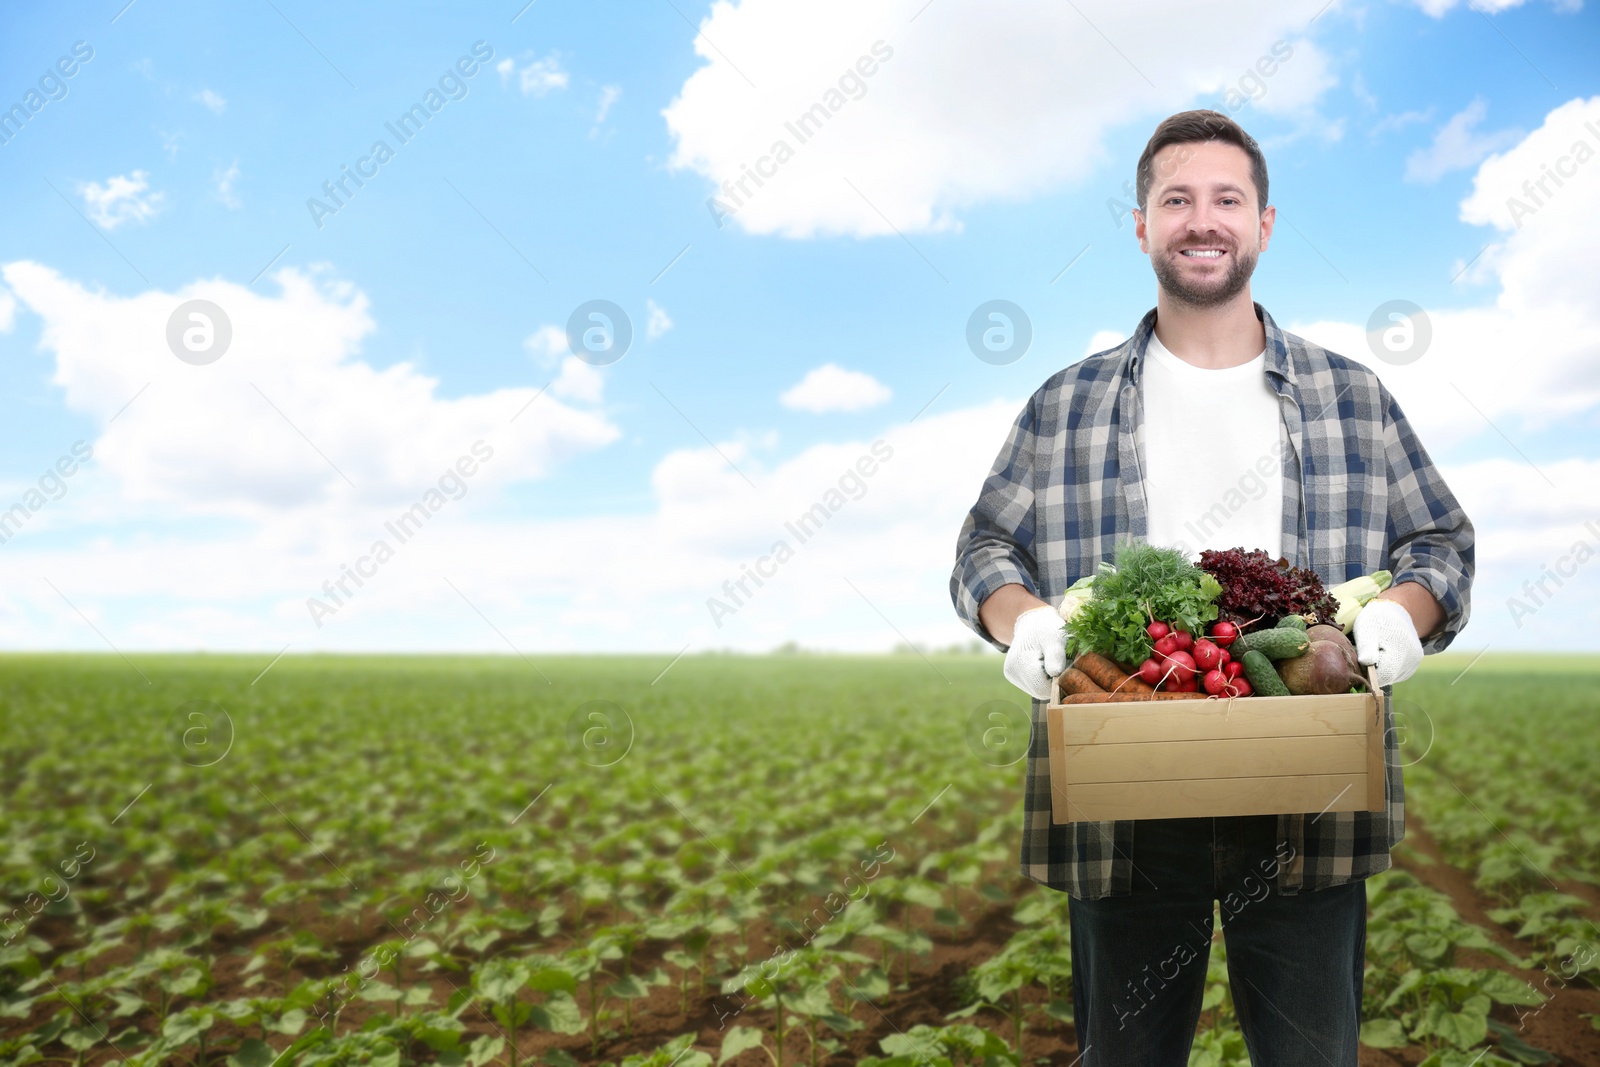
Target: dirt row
{"x":928,"y":997}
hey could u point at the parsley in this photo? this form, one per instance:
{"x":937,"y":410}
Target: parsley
{"x":1146,"y":583}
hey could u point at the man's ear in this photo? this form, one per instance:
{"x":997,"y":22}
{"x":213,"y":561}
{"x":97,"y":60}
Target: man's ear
{"x":1139,"y":229}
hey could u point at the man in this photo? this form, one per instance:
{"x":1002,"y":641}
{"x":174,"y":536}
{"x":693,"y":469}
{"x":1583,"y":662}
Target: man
{"x":1212,"y":428}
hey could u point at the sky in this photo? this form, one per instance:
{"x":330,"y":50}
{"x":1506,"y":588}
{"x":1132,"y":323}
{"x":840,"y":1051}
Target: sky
{"x":465,"y":327}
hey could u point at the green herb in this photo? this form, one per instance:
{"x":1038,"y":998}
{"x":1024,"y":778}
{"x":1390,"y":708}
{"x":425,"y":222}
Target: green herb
{"x":1147,"y":583}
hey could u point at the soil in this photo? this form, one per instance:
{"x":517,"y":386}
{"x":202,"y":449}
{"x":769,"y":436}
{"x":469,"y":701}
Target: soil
{"x":929,"y":995}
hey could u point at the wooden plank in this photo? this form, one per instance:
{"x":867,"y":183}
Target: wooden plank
{"x":1201,"y":720}
{"x":1290,"y":794}
{"x":1164,"y":761}
{"x":1377,"y":761}
{"x":1058,"y":774}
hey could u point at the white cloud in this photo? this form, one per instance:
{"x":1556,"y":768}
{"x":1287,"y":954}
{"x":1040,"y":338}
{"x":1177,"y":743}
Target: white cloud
{"x":658,"y":323}
{"x":212,"y":100}
{"x":274,"y":427}
{"x":1439,"y":8}
{"x":832,"y":388}
{"x":968,"y":104}
{"x":1104,"y":339}
{"x":1531,"y":357}
{"x":547,"y":344}
{"x":609,"y":94}
{"x":1301,"y":74}
{"x":505,"y":68}
{"x":1457,"y":146}
{"x":579,"y":381}
{"x":539,"y":77}
{"x":8,"y":311}
{"x":1400,"y":121}
{"x":121,"y":199}
{"x":225,"y":180}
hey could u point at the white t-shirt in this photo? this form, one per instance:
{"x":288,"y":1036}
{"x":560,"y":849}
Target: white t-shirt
{"x":1212,"y":455}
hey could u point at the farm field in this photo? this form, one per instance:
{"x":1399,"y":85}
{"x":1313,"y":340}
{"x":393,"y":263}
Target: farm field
{"x":789,"y":859}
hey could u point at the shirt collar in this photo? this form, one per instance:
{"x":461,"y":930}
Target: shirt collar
{"x":1277,"y":358}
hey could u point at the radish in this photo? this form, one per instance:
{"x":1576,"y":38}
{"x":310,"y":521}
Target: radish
{"x":1150,"y":671}
{"x":1165,"y":646}
{"x":1182,"y":665}
{"x":1157,"y":630}
{"x":1206,"y":655}
{"x":1215,"y":682}
{"x":1184,"y":638}
{"x":1233,"y":669}
{"x":1241,"y":686}
{"x":1224,"y":633}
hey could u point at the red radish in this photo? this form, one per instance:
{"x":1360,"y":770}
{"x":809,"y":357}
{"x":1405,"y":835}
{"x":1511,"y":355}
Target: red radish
{"x":1206,"y":655}
{"x":1157,"y":630}
{"x":1165,"y":646}
{"x":1150,"y":671}
{"x":1242,"y":684}
{"x":1223,"y":656}
{"x":1184,"y":638}
{"x":1224,"y":633}
{"x":1215,"y":680}
{"x":1233,"y":668}
{"x":1182,"y":665}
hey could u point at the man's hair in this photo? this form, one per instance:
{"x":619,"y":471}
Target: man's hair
{"x":1191,"y":127}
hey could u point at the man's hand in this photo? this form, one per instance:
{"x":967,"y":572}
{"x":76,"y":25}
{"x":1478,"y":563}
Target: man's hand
{"x":1038,"y":651}
{"x":1386,"y":636}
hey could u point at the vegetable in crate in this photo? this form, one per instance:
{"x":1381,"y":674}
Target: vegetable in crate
{"x":1146,"y":583}
{"x":1257,"y":590}
{"x":1329,"y":666}
{"x":1354,"y":594}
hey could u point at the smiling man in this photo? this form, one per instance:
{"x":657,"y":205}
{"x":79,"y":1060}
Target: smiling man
{"x":1163,"y":438}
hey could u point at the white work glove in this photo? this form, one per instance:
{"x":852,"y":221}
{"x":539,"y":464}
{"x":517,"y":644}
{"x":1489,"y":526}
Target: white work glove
{"x":1385,"y":636}
{"x":1038,"y":651}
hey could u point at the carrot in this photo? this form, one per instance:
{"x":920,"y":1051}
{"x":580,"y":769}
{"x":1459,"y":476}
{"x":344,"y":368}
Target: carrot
{"x":1110,"y":677}
{"x":1075,"y":681}
{"x":1128,"y":698}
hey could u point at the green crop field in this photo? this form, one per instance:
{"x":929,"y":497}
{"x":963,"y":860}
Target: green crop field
{"x":789,"y":859}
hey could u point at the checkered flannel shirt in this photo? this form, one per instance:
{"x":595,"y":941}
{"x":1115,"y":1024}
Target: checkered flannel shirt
{"x":1359,"y":495}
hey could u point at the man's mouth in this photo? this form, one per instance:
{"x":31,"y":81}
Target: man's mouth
{"x":1202,"y":253}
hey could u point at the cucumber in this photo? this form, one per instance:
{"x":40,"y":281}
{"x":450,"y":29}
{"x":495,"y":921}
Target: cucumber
{"x":1263,"y":676}
{"x":1276,"y":643}
{"x":1296,"y":622}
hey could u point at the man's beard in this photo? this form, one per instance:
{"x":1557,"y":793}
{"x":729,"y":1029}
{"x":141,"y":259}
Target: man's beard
{"x":1210,"y":292}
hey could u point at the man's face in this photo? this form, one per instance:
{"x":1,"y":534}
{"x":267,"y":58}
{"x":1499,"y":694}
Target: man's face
{"x":1202,"y":200}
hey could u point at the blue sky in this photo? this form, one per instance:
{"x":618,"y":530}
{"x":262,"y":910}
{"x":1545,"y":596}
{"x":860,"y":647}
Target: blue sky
{"x":575,"y":163}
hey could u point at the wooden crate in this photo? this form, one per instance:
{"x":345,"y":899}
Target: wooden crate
{"x":1242,"y":756}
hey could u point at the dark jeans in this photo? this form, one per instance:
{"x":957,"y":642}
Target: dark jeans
{"x":1294,"y":962}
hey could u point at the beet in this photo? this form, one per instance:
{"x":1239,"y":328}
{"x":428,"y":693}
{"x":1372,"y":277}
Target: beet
{"x":1325,"y":668}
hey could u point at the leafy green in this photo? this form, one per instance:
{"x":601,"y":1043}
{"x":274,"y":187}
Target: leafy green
{"x":1147,"y":583}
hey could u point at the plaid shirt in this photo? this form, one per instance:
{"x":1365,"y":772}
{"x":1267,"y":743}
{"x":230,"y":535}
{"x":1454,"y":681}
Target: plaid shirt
{"x":1359,"y":495}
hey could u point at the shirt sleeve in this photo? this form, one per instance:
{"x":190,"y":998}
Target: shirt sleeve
{"x":995,"y":546}
{"x":1431,"y":540}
